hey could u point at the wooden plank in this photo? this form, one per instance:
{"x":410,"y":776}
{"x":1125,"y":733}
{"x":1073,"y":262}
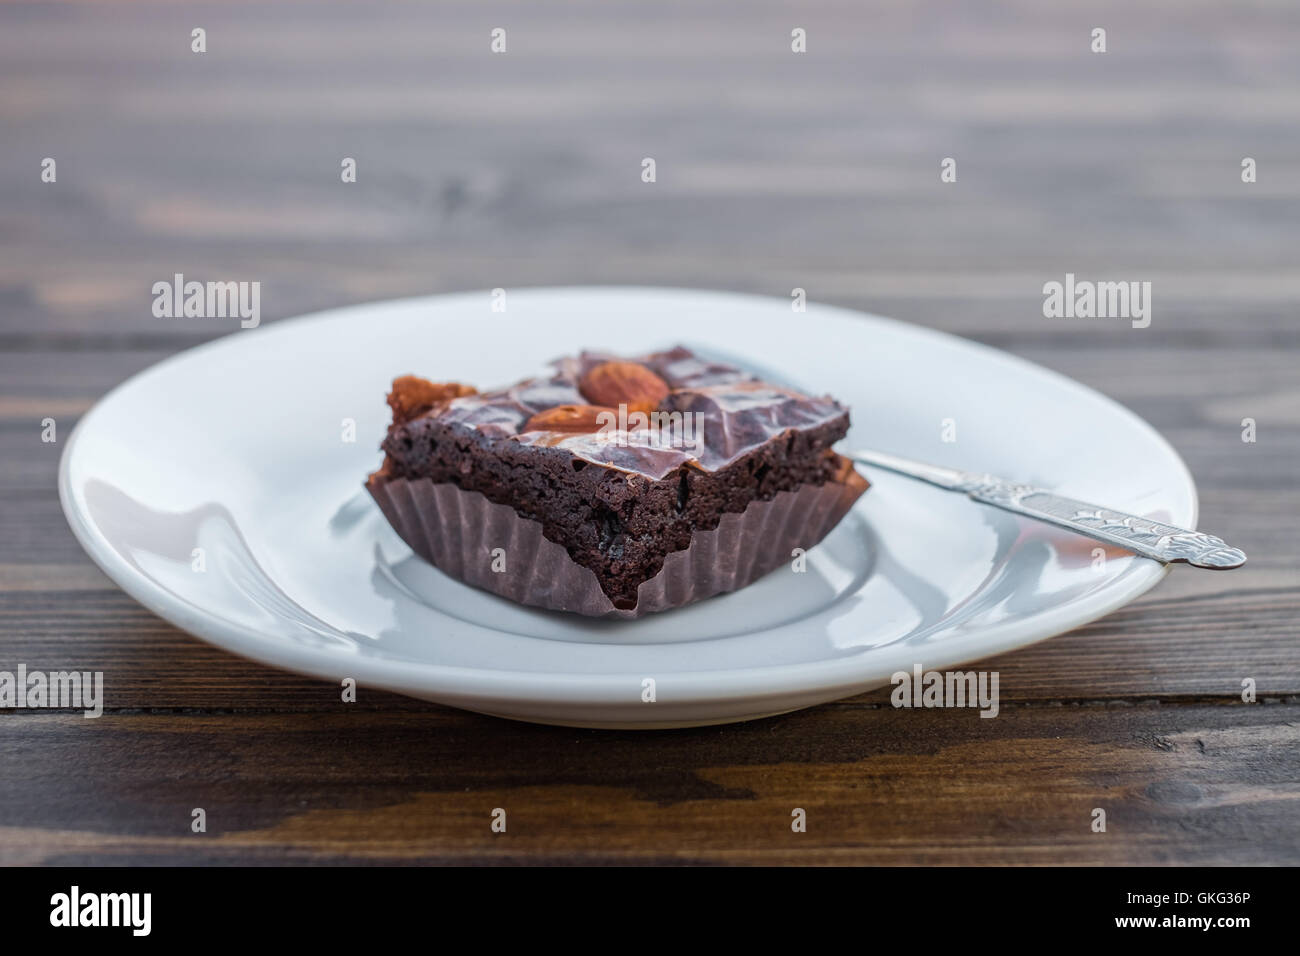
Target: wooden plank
{"x":1187,"y":317}
{"x":1192,"y":784}
{"x":1165,"y":646}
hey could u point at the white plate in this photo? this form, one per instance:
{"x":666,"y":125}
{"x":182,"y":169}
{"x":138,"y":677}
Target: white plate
{"x":237,"y":448}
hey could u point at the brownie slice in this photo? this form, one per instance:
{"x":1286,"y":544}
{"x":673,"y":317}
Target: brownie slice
{"x":621,"y":461}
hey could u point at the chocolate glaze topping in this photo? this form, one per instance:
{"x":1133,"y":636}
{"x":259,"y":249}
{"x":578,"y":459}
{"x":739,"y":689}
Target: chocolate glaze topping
{"x":714,"y":414}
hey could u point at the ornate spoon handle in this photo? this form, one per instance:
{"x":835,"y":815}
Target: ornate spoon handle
{"x":1152,"y":539}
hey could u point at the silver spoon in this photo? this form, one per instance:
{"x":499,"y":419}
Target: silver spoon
{"x":1151,"y":539}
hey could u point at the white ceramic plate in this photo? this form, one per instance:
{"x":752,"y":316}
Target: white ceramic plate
{"x":235,"y":452}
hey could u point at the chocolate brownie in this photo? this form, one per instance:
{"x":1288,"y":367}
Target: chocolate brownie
{"x":621,"y":461}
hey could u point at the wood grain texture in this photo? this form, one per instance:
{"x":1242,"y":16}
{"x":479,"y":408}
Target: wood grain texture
{"x":774,"y":171}
{"x":1186,"y":784}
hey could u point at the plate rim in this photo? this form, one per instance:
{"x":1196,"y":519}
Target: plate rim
{"x":825,"y":678}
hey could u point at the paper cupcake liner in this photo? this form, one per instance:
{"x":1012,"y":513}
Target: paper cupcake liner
{"x":458,"y":531}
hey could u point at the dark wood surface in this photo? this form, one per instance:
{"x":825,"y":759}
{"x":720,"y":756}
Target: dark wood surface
{"x":775,"y":170}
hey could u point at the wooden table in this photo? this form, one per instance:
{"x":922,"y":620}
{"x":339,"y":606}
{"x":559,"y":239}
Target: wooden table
{"x":774,"y":170}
